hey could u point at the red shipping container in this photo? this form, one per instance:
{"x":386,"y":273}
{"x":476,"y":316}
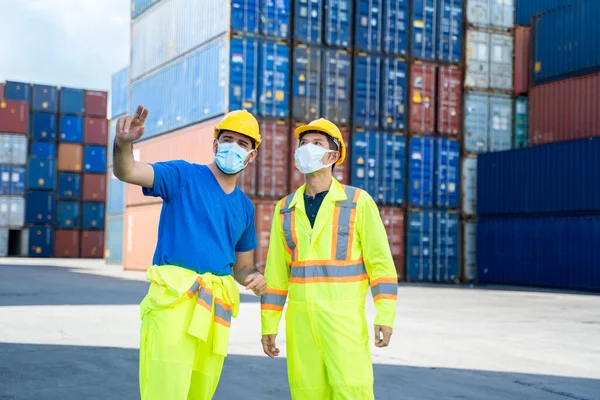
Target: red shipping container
{"x":1,"y":90}
{"x":449,"y":101}
{"x":563,"y":110}
{"x":522,"y":59}
{"x":96,"y":131}
{"x":14,"y":116}
{"x":95,"y":103}
{"x":422,"y":98}
{"x":247,"y":180}
{"x":94,"y":187}
{"x":263,"y":218}
{"x":393,"y":219}
{"x":272,"y":163}
{"x":92,"y":244}
{"x":340,"y":172}
{"x":66,"y":244}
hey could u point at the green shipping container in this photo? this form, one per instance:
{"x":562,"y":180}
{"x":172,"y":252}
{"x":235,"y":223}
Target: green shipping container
{"x":521,"y":121}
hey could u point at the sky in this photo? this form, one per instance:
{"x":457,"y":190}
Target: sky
{"x":76,"y":43}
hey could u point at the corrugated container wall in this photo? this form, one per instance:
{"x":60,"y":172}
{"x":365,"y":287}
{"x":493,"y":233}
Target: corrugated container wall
{"x":522,"y":59}
{"x":263,"y":218}
{"x":501,"y":116}
{"x":489,"y":62}
{"x":367,"y":90}
{"x":393,"y":114}
{"x":521,"y":121}
{"x":369,"y":25}
{"x":337,"y":68}
{"x":469,"y":186}
{"x":306,"y":86}
{"x":120,"y":93}
{"x":488,"y":122}
{"x":44,"y":98}
{"x":470,"y":251}
{"x":308,"y":21}
{"x":446,"y":250}
{"x":273,"y":96}
{"x":525,"y":9}
{"x":555,"y":178}
{"x":96,"y":103}
{"x":338,"y":23}
{"x":19,"y":91}
{"x":420,"y":246}
{"x":393,"y":220}
{"x":423,"y":98}
{"x":424,"y":29}
{"x":140,"y":234}
{"x":275,"y":18}
{"x":421,"y":172}
{"x":272,"y":165}
{"x":491,"y":13}
{"x":14,"y":116}
{"x":447,"y":172}
{"x":450,"y":31}
{"x":575,"y":51}
{"x":115,"y":204}
{"x":449,"y":106}
{"x":396,"y":25}
{"x":565,"y":110}
{"x":72,"y":101}
{"x":139,"y":6}
{"x":1,"y":90}
{"x":113,"y":248}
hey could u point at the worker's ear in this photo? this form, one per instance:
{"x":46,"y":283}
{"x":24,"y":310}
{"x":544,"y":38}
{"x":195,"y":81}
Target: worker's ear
{"x":251,"y":157}
{"x":334,"y":157}
{"x":215,"y":145}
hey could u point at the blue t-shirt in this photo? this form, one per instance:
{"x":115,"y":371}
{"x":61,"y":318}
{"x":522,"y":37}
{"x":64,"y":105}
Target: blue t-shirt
{"x":201,"y":227}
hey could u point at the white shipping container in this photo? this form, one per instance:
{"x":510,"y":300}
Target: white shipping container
{"x":3,"y":242}
{"x":12,"y":212}
{"x":488,"y":122}
{"x":172,"y":28}
{"x":24,"y":251}
{"x":470,"y":251}
{"x":500,"y":133}
{"x":491,"y":13}
{"x":501,"y":61}
{"x":13,"y":149}
{"x":478,"y":12}
{"x":478,"y":60}
{"x":469,"y":186}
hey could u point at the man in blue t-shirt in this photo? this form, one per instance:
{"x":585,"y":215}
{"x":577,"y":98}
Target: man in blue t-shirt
{"x":206,"y":239}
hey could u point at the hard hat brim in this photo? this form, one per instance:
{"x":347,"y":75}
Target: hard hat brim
{"x":310,"y":128}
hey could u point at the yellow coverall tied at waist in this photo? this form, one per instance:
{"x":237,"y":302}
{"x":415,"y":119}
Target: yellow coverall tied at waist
{"x":324,"y":273}
{"x":186,"y":319}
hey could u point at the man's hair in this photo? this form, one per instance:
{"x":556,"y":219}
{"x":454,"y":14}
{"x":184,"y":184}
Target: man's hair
{"x":252,"y":141}
{"x":332,"y":144}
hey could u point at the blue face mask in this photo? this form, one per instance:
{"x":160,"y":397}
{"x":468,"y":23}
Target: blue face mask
{"x":230,"y":158}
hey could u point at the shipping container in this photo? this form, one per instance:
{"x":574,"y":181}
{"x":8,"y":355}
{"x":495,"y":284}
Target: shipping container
{"x":66,"y":244}
{"x":1,"y":97}
{"x":112,"y":129}
{"x":575,"y":50}
{"x":338,"y":23}
{"x":220,"y":76}
{"x":40,"y":208}
{"x":71,"y":129}
{"x":366,"y":160}
{"x":555,"y":178}
{"x":119,"y":95}
{"x":95,"y":103}
{"x":43,"y":126}
{"x":3,"y":232}
{"x":70,"y":157}
{"x":423,"y":98}
{"x":94,"y":187}
{"x":43,"y":150}
{"x":450,"y":31}
{"x":275,"y":18}
{"x":420,"y":246}
{"x":94,"y":159}
{"x":565,"y":110}
{"x":525,"y":9}
{"x":193,"y":144}
{"x":369,"y":25}
{"x":424,"y":29}
{"x":263,"y":219}
{"x":491,"y":13}
{"x":72,"y":101}
{"x":69,"y":215}
{"x":449,"y":106}
{"x":113,"y":247}
{"x":308,"y":21}
{"x":447,"y":171}
{"x":140,"y":236}
{"x":307,"y":64}
{"x":488,"y":122}
{"x":247,"y":182}
{"x":17,"y":181}
{"x":367,"y":90}
{"x":273,"y":97}
{"x":337,"y":82}
{"x":396,"y":26}
{"x":501,"y":120}
{"x":12,"y":212}
{"x":469,"y":186}
{"x":13,"y":149}
{"x":501,"y":61}
{"x":96,"y":131}
{"x":393,"y":115}
{"x":273,"y":162}
{"x":92,"y":244}
{"x":550,"y":251}
{"x":4,"y":180}
{"x":139,"y":6}
{"x":393,"y":220}
{"x":44,"y":98}
{"x":477,"y":74}
{"x":93,"y":215}
{"x":421,"y":172}
{"x":521,"y":122}
{"x":470,"y":251}
{"x":522,"y":59}
{"x":14,"y":116}
{"x":115,"y":203}
{"x":392,"y":190}
{"x":18,"y":91}
{"x":41,"y":174}
{"x":40,"y":241}
{"x":69,"y":186}
{"x":446,"y":251}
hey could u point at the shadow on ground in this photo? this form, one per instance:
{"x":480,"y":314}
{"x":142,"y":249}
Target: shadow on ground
{"x":32,"y":372}
{"x":33,"y":285}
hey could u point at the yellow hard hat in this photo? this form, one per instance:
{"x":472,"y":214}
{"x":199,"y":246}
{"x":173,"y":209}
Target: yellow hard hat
{"x":328,"y":128}
{"x":242,"y":122}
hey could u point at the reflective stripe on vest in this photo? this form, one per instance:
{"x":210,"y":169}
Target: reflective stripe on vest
{"x":288,"y":221}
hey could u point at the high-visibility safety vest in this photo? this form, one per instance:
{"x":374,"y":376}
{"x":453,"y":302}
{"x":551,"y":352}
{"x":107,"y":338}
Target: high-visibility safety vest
{"x":333,"y":264}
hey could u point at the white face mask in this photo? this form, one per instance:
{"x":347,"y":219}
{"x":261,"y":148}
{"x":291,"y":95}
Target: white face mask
{"x":309,"y":158}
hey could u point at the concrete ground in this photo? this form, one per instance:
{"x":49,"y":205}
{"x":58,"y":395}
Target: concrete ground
{"x":69,"y":330}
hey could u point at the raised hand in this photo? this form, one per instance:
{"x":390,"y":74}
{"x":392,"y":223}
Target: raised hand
{"x":131,"y":128}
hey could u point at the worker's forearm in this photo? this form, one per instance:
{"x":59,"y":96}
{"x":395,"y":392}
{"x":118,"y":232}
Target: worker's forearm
{"x":123,"y":162}
{"x":242,"y":274}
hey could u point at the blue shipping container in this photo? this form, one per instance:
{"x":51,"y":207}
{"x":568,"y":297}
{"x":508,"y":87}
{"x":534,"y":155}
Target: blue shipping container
{"x":424,"y":25}
{"x":69,"y":214}
{"x":450,"y":30}
{"x":139,"y":6}
{"x":447,"y":239}
{"x":447,"y":173}
{"x":4,"y":180}
{"x":421,"y":171}
{"x":44,"y":98}
{"x":93,"y":215}
{"x":338,"y":23}
{"x":273,"y":98}
{"x":43,"y":150}
{"x":195,"y":88}
{"x":337,"y":82}
{"x":17,"y":181}
{"x":393,"y":170}
{"x":71,"y":129}
{"x":94,"y":159}
{"x":114,"y":240}
{"x":43,"y":126}
{"x":366,"y":160}
{"x":41,"y":174}
{"x":245,"y":15}
{"x":307,"y":83}
{"x":69,"y":186}
{"x":394,"y":89}
{"x":554,"y":178}
{"x":367,"y":90}
{"x":419,"y":246}
{"x":575,"y":50}
{"x":550,"y":251}
{"x":17,"y":91}
{"x":395,"y":27}
{"x":115,"y":204}
{"x":72,"y":101}
{"x":275,"y":18}
{"x":527,"y":8}
{"x":308,"y":21}
{"x":40,"y":208}
{"x":41,"y":241}
{"x":369,"y":25}
{"x":120,"y":93}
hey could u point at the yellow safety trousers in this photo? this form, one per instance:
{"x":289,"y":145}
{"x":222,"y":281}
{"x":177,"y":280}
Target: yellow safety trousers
{"x":185,"y":333}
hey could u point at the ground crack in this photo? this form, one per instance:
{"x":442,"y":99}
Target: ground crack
{"x":545,"y":389}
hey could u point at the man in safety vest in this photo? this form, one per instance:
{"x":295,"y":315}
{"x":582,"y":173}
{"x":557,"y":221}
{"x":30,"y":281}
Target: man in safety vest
{"x":328,"y":244}
{"x":206,"y":233}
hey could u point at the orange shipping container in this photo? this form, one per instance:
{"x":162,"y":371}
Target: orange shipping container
{"x":140,"y":235}
{"x":263,"y":218}
{"x":422,"y":98}
{"x":70,"y":157}
{"x":393,"y":219}
{"x":522,"y":57}
{"x":449,"y":101}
